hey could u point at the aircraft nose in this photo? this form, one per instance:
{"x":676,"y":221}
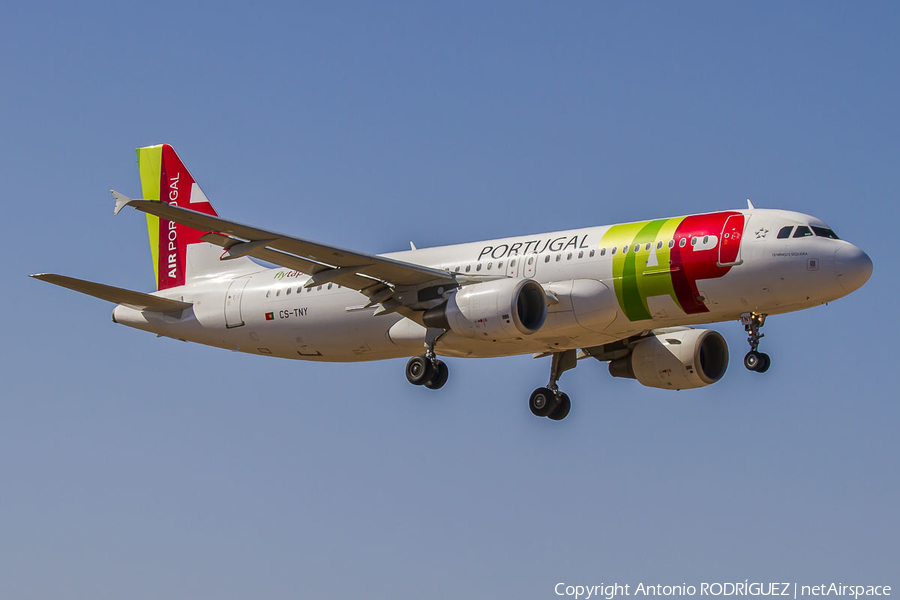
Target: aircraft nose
{"x":853,"y":267}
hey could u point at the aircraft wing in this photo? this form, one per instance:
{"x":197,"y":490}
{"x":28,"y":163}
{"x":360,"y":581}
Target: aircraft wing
{"x":356,"y":270}
{"x":132,"y":299}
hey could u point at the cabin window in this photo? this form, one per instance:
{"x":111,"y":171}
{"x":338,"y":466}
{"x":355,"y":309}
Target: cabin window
{"x":547,"y":258}
{"x":456,"y":269}
{"x":329,"y":286}
{"x":277,"y":292}
{"x":802,"y":231}
{"x":824,"y":232}
{"x":581,"y":254}
{"x":319,"y":289}
{"x":268,"y":293}
{"x":659,"y":245}
{"x":785,"y":232}
{"x":682,"y":242}
{"x":288,"y":291}
{"x":671,"y":243}
{"x":490,"y":264}
{"x":468,"y":268}
{"x":530,"y":260}
{"x":569,"y":256}
{"x":500,"y":265}
{"x":647,"y":247}
{"x":592,"y":254}
{"x":558,"y":257}
{"x":614,"y":248}
{"x":705,"y":239}
{"x":602,"y":251}
{"x":624,"y":249}
{"x":512,"y":263}
{"x":478,"y":267}
{"x":637,"y":247}
{"x":693,"y":241}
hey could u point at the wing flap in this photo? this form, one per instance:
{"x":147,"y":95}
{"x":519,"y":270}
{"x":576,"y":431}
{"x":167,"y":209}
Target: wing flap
{"x":129,"y":298}
{"x":345,"y":278}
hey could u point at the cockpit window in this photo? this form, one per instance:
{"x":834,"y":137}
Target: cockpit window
{"x":824,"y":232}
{"x":785,"y":232}
{"x":802,"y":231}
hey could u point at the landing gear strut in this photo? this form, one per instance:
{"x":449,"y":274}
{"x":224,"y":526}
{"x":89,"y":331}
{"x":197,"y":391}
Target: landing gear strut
{"x":427,"y":369}
{"x":754,"y":360}
{"x":549,"y":401}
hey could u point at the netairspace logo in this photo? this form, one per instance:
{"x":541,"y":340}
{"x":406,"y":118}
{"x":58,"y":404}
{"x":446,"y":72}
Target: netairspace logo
{"x":745,"y":588}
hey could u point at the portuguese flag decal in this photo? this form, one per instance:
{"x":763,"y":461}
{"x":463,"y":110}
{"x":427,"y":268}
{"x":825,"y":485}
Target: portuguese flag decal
{"x":270,"y":316}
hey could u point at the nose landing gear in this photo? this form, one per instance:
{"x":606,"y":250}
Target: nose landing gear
{"x":549,"y":401}
{"x":754,"y":360}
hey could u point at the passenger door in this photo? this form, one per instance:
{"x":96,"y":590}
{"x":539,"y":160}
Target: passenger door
{"x":730,"y":245}
{"x":233,"y":296}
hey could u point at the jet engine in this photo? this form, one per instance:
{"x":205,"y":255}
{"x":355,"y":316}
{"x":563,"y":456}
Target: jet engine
{"x":500,"y":309}
{"x":679,"y":359}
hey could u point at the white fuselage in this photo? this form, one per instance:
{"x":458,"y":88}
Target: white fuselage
{"x":270,"y":312}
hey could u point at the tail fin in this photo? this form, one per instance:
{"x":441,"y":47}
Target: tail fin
{"x":178,"y":253}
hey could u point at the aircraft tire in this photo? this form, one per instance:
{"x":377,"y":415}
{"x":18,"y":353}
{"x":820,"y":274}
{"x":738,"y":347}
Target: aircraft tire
{"x":753,"y":360}
{"x":441,"y":373}
{"x":542,"y":402}
{"x":764,"y":363}
{"x":419,"y":370}
{"x":561,"y":411}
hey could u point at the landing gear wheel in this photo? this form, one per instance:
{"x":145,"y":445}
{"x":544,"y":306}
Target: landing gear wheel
{"x":542,"y":402}
{"x":753,"y":360}
{"x":764,"y":363}
{"x":563,"y":409}
{"x":419,"y":370}
{"x":441,"y":373}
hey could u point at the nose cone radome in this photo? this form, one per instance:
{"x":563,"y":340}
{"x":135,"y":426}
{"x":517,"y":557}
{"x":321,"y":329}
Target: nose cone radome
{"x":853,"y":267}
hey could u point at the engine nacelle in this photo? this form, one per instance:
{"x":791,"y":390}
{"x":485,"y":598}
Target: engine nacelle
{"x":675,"y":360}
{"x":500,"y":309}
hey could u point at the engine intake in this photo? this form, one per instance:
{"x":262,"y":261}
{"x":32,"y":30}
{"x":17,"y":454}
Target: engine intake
{"x":500,"y":309}
{"x":675,"y":360}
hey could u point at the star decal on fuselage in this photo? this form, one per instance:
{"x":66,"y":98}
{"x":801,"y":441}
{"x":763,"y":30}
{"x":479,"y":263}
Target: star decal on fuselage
{"x":761,"y":232}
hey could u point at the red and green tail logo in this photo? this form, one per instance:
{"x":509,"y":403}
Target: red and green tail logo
{"x":164,"y":177}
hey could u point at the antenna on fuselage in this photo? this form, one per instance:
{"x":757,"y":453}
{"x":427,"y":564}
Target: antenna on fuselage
{"x":750,"y":204}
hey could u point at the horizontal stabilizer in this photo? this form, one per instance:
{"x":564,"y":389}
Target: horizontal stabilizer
{"x":131,"y":299}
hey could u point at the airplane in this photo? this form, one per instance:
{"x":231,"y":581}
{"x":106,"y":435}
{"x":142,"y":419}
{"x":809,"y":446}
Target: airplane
{"x":625,"y":294}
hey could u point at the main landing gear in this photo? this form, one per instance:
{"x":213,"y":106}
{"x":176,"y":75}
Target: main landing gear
{"x":753,"y":360}
{"x":428,"y":370}
{"x":549,"y":401}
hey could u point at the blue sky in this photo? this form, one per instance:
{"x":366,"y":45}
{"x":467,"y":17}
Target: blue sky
{"x":140,"y":467}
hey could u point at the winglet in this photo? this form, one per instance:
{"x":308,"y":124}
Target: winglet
{"x":750,"y":204}
{"x":121,"y":201}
